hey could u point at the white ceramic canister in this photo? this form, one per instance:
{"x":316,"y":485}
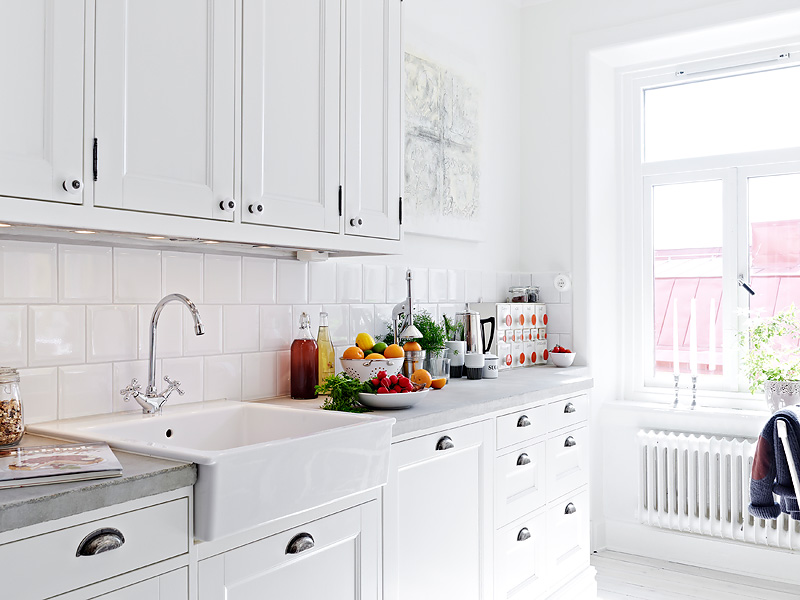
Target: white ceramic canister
{"x":491,"y":366}
{"x":456,"y":349}
{"x":474,"y":361}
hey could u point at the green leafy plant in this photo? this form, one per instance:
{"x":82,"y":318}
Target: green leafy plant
{"x":772,"y":351}
{"x":342,"y":391}
{"x":454,"y":330}
{"x":433,"y":334}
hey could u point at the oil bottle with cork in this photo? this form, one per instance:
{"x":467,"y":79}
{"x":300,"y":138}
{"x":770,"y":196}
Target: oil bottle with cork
{"x":304,"y":362}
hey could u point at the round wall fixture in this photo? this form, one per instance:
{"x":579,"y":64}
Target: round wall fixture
{"x":562,"y":282}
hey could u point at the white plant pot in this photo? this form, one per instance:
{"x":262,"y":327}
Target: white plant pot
{"x":780,"y":394}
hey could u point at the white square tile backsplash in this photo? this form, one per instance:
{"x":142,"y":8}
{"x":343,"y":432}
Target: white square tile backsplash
{"x":76,"y":318}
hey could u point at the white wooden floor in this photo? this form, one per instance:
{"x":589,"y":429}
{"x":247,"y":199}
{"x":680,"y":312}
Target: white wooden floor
{"x":628,"y":577}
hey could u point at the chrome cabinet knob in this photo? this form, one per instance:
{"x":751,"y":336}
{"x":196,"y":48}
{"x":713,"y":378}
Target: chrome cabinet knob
{"x":570,"y":442}
{"x":569,"y":408}
{"x":73,"y":186}
{"x":570,"y":509}
{"x":523,"y":460}
{"x":300,"y":543}
{"x":524,"y":534}
{"x":99,"y":541}
{"x":256,"y":208}
{"x":524,"y":421}
{"x":356,"y":222}
{"x":228,"y":205}
{"x":445,"y":443}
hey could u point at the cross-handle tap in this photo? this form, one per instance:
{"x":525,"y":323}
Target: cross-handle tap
{"x":151,"y":400}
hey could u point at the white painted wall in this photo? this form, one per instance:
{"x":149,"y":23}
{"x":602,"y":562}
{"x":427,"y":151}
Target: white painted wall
{"x":480,"y":41}
{"x":571,"y":52}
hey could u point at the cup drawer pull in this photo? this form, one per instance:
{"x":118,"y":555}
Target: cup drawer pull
{"x":99,"y":541}
{"x":523,"y":460}
{"x":445,"y":443}
{"x":524,"y":421}
{"x":300,"y":543}
{"x":569,"y":408}
{"x":524,"y":534}
{"x":570,"y":442}
{"x":570,"y":509}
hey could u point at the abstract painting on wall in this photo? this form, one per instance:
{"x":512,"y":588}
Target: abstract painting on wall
{"x":442,"y":168}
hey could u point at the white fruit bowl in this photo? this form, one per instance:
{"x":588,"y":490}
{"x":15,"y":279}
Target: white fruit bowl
{"x":392,"y":401}
{"x":562,"y":359}
{"x":365,"y":369}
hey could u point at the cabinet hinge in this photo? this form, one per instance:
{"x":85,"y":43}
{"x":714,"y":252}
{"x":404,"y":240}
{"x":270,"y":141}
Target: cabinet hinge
{"x":94,"y":160}
{"x":340,"y":201}
{"x":401,"y":210}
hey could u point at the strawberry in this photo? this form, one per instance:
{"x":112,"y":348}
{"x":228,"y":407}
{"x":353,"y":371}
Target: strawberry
{"x":382,"y":390}
{"x":393,"y":379}
{"x":391,"y":392}
{"x":381,"y":374}
{"x":376,"y":382}
{"x":385,"y":382}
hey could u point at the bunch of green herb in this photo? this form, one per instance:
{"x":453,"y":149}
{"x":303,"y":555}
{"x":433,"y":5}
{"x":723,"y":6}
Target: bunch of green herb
{"x":433,"y":334}
{"x":772,"y":352}
{"x":454,"y":330}
{"x":342,"y":391}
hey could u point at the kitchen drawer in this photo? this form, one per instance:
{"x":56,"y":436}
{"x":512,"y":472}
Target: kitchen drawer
{"x":568,"y":536}
{"x":521,"y":426}
{"x":151,"y":534}
{"x":519,"y":479}
{"x":567,"y":461}
{"x":520,"y":559}
{"x":568,"y":412}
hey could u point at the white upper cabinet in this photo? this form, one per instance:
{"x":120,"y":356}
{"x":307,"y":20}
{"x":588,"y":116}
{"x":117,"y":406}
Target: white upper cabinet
{"x":290,"y":113}
{"x":372,"y":95}
{"x":164,"y":106}
{"x":41,"y":107}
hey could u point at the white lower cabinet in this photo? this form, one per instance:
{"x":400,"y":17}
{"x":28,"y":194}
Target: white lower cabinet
{"x":568,"y":534}
{"x":336,"y":557}
{"x":437,"y":529}
{"x":520,"y":558}
{"x":169,"y":586}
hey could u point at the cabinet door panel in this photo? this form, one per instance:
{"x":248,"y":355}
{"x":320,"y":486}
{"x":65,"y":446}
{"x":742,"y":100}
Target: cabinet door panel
{"x":372,"y":118}
{"x":437,"y":520}
{"x":290,"y":113}
{"x":341,"y":565}
{"x":164,"y":105}
{"x":41,"y":107}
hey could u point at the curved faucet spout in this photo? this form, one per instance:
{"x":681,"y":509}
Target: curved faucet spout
{"x":198,"y":330}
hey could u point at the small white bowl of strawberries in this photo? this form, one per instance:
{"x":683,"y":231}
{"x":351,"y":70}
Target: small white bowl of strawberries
{"x":391,"y":392}
{"x":562,"y":357}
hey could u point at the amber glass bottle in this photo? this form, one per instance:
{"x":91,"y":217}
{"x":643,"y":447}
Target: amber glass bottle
{"x":305,"y":362}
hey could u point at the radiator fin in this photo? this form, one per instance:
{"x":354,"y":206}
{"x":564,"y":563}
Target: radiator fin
{"x":701,"y":484}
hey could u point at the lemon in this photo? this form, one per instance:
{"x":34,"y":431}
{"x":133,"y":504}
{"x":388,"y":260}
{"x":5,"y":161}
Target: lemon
{"x":365,"y":341}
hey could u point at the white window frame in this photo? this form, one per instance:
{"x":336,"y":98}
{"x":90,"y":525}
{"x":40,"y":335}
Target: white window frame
{"x":638,"y":177}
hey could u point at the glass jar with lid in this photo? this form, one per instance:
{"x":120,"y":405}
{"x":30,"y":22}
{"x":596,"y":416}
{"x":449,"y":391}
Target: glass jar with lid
{"x":518,"y":294}
{"x":12,"y":425}
{"x":533,"y":293}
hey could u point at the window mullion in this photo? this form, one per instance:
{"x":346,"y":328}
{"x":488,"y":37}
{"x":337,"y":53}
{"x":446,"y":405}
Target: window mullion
{"x":731,"y":268}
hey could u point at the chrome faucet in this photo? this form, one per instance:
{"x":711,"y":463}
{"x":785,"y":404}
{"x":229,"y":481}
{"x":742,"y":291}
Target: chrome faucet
{"x":152,"y":401}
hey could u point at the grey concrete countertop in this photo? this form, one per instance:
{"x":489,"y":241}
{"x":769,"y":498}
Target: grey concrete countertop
{"x":462,"y":399}
{"x":141,"y":476}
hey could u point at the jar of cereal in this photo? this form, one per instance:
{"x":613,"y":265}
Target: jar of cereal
{"x":11,"y":424}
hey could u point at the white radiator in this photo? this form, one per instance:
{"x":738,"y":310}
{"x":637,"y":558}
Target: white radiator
{"x":699,"y":484}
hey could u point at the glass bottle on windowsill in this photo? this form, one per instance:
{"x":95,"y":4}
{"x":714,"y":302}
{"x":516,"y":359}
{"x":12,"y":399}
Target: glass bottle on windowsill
{"x":304,"y":362}
{"x":327,"y":358}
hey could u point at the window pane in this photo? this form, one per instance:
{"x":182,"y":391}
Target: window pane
{"x":741,"y":113}
{"x":774,"y":209}
{"x":687,"y":265}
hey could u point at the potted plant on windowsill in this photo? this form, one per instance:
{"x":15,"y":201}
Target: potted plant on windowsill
{"x":772,"y":358}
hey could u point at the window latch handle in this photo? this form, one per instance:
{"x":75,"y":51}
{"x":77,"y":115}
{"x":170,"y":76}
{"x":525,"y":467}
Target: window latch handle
{"x":745,"y":285}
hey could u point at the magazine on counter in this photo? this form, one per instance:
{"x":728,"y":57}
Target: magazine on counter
{"x":39,"y":465}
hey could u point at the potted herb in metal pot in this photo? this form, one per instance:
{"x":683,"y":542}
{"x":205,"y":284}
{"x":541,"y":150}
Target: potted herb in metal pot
{"x":772,"y":358}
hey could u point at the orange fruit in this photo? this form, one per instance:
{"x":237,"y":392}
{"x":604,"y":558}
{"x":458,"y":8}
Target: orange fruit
{"x":353,"y":352}
{"x":421,"y":377}
{"x":412,"y":347}
{"x":374,"y":355}
{"x":438,"y":384}
{"x":393,"y":351}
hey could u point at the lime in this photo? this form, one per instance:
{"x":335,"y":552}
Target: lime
{"x":379,"y":347}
